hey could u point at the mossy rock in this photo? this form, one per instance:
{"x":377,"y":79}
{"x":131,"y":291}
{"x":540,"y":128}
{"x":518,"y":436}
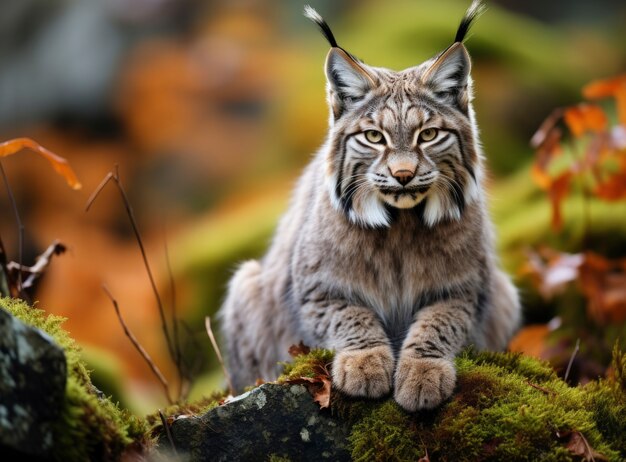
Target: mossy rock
{"x":90,"y":426}
{"x":505,"y":407}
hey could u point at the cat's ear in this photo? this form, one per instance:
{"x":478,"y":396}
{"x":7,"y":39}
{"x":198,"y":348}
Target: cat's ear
{"x":449,"y":75}
{"x":348,"y":80}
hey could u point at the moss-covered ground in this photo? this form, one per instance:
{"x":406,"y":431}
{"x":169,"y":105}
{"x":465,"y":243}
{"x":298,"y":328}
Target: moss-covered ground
{"x":505,"y":407}
{"x":91,"y":427}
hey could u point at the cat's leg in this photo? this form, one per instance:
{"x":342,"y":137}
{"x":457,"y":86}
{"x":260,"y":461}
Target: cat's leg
{"x":364,"y":362}
{"x":425,"y":374}
{"x":504,"y":317}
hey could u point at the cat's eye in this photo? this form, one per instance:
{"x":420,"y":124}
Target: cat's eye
{"x":428,"y":134}
{"x":374,"y":136}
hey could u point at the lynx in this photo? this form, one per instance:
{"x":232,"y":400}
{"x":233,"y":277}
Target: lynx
{"x":386,"y":252}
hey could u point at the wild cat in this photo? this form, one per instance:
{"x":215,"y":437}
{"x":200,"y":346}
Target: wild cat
{"x":386,"y":252}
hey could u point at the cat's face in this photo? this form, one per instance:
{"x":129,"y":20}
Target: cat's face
{"x":401,"y":139}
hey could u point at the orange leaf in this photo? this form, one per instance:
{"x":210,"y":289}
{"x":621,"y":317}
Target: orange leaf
{"x":615,"y":87}
{"x":531,"y":340}
{"x":585,"y":117}
{"x":59,"y":164}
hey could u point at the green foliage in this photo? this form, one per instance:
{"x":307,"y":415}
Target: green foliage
{"x":90,"y":427}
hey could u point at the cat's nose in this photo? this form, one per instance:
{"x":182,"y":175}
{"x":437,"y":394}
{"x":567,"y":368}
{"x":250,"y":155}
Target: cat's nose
{"x":403,"y":176}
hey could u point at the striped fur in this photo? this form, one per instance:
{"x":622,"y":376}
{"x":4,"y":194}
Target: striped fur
{"x":386,"y":252}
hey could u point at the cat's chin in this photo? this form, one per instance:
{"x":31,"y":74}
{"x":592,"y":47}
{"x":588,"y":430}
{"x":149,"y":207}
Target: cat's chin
{"x":403,"y":201}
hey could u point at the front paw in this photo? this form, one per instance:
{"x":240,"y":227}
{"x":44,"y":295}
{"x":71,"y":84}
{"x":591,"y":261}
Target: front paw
{"x":365,"y":372}
{"x":423,"y":383}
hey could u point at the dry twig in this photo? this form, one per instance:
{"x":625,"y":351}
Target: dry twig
{"x":144,"y":354}
{"x":115,"y":177}
{"x":571,"y":360}
{"x":209,"y":330}
{"x":168,"y":432}
{"x":20,"y":234}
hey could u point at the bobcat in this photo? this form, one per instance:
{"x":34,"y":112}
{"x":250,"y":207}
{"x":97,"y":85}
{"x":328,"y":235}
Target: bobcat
{"x":386,"y":252}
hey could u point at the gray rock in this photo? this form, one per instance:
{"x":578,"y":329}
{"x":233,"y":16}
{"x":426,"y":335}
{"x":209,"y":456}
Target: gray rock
{"x":272,"y":419}
{"x":32,"y":386}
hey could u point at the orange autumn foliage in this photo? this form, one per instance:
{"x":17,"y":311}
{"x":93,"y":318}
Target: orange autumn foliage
{"x":601,"y":280}
{"x":601,"y":163}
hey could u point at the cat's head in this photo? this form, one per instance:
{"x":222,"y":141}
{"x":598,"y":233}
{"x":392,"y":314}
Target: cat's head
{"x":403,"y":139}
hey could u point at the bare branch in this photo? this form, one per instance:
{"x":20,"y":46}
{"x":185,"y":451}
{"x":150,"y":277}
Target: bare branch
{"x":144,"y":354}
{"x":182,"y":374}
{"x":97,"y":191}
{"x":209,"y":330}
{"x":131,"y":215}
{"x":17,"y":290}
{"x":41,"y":263}
{"x":168,"y":432}
{"x":571,"y":360}
{"x":5,"y":277}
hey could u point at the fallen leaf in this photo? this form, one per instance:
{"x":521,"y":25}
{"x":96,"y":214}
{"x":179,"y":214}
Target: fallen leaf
{"x":577,"y":444}
{"x":300,"y":349}
{"x":59,"y":164}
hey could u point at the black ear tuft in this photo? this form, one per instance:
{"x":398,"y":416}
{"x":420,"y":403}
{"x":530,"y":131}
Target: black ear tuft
{"x":314,"y":16}
{"x":474,"y":11}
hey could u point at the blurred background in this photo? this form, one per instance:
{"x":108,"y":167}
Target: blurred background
{"x":212,"y":108}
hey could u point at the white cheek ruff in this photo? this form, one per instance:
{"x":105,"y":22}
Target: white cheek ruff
{"x":368,"y":210}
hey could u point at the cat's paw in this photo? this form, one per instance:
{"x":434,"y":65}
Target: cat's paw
{"x":423,"y":383}
{"x":367,"y":372}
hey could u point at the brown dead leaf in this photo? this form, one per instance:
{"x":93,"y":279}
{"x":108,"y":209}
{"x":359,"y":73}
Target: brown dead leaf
{"x":613,"y":187}
{"x":550,"y":271}
{"x":603,"y":282}
{"x":585,"y":117}
{"x":319,"y":387}
{"x":300,"y":349}
{"x":59,"y":164}
{"x":577,"y":444}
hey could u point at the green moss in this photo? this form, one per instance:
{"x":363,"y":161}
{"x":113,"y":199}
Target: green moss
{"x":90,"y":427}
{"x":386,"y":434}
{"x":506,"y":406}
{"x":308,"y":365}
{"x":196,"y":407}
{"x":277,"y":458}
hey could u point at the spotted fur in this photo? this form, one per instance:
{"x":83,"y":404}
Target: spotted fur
{"x":386,"y":252}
